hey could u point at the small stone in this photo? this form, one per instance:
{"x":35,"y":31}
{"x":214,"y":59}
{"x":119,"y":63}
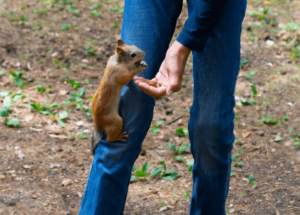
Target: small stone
{"x":261,"y":133}
{"x":79,"y":194}
{"x":143,"y":152}
{"x":21,"y":155}
{"x":54,"y":166}
{"x":66,"y":182}
{"x":34,"y":196}
{"x":164,"y":208}
{"x":270,"y":42}
{"x":20,"y":178}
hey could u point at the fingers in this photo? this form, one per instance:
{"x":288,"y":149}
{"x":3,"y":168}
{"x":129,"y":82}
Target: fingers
{"x":147,"y":87}
{"x":174,"y":84}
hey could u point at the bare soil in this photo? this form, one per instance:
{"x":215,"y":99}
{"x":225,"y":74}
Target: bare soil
{"x":44,"y":171}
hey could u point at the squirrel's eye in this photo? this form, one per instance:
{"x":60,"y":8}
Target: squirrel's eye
{"x":133,"y":55}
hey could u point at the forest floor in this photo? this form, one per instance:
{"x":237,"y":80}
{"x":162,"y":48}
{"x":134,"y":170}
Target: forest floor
{"x":62,"y":46}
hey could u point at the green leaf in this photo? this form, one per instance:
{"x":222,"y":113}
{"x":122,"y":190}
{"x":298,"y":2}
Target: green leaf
{"x":240,"y":164}
{"x":238,"y":117}
{"x":71,"y":136}
{"x":87,"y":81}
{"x":146,"y":167}
{"x":251,"y":178}
{"x":159,"y":122}
{"x":53,"y":105}
{"x":232,"y":174}
{"x":171,"y":146}
{"x":74,"y":10}
{"x":80,"y":92}
{"x":22,"y":18}
{"x":4,"y":112}
{"x":45,"y":112}
{"x":244,"y":62}
{"x":163,"y":164}
{"x":190,"y":164}
{"x":238,"y":140}
{"x":140,"y":173}
{"x":75,"y":84}
{"x":182,"y":132}
{"x":5,"y":93}
{"x":250,"y":76}
{"x":253,"y":90}
{"x":156,"y":171}
{"x":182,"y":148}
{"x":40,"y":88}
{"x":169,"y":175}
{"x":278,"y":138}
{"x":154,"y":130}
{"x":64,"y":27}
{"x":179,"y":158}
{"x":2,"y":72}
{"x":253,"y":186}
{"x":134,"y":168}
{"x":95,"y":13}
{"x":7,"y":102}
{"x":132,"y":178}
{"x":296,"y":144}
{"x":91,"y":52}
{"x":62,"y":124}
{"x":270,"y":120}
{"x":35,"y":106}
{"x":63,"y":115}
{"x":13,"y":122}
{"x":285,"y":118}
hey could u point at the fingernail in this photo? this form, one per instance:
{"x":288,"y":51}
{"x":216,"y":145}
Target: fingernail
{"x":170,"y":93}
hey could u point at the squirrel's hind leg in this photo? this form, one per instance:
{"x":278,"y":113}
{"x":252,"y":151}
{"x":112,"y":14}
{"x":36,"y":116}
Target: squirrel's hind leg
{"x":113,"y":130}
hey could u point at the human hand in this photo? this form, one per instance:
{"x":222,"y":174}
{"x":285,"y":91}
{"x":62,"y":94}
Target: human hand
{"x":169,"y":77}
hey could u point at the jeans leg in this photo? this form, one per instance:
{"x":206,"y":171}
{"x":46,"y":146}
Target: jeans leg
{"x":149,"y":25}
{"x":211,"y":124}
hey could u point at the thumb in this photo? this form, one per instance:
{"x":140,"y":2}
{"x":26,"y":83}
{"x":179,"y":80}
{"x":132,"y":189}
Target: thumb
{"x":174,"y":84}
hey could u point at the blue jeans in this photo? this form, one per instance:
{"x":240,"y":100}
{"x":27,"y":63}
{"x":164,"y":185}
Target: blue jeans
{"x":150,"y":25}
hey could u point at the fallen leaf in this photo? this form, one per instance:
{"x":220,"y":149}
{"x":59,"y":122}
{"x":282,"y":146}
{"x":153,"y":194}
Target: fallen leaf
{"x":245,"y":135}
{"x":60,"y":136}
{"x":164,"y":208}
{"x":26,"y":166}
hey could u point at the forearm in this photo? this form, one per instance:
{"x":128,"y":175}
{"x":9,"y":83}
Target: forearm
{"x":200,"y":23}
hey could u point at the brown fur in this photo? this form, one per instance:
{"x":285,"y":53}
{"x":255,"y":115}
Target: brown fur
{"x":106,"y":100}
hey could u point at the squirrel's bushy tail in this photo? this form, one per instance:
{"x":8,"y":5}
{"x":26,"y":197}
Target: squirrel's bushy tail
{"x":97,"y":136}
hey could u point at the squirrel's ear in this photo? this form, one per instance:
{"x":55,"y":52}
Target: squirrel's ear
{"x":119,"y":50}
{"x":120,"y":42}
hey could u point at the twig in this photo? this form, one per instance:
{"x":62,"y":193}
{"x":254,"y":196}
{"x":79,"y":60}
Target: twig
{"x":174,"y":119}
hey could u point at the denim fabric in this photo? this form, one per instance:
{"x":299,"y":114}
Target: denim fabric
{"x":150,"y":25}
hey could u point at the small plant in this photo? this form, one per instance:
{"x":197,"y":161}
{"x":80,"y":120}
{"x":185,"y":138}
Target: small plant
{"x":162,"y":203}
{"x":167,"y":175}
{"x":40,"y":88}
{"x":75,"y":84}
{"x":182,"y":132}
{"x":180,"y":149}
{"x":186,"y":194}
{"x":190,"y":164}
{"x":251,"y":180}
{"x":4,"y":112}
{"x":244,"y":62}
{"x":75,"y":99}
{"x":238,"y":140}
{"x":155,"y":129}
{"x":65,"y":27}
{"x":252,"y":86}
{"x":95,"y":13}
{"x":91,"y":52}
{"x":17,"y":78}
{"x":269,"y":121}
{"x":244,"y":101}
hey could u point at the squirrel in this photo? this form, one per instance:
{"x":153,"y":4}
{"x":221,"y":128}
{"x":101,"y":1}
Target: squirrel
{"x":120,"y":69}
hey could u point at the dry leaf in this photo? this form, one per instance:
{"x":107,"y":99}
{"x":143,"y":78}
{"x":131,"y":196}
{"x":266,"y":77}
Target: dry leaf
{"x":28,"y":118}
{"x":245,"y":135}
{"x":60,"y":136}
{"x":66,"y":182}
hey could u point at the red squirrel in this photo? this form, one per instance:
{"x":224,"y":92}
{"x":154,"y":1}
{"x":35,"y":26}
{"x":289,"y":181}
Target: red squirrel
{"x":120,"y":69}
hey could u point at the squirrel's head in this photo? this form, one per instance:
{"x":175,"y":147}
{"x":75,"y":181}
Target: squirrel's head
{"x":129,"y":54}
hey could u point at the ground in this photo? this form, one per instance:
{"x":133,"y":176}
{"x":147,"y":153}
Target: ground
{"x":46,"y":161}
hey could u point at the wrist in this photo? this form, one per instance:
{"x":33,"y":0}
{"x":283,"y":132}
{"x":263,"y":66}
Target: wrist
{"x":177,"y":49}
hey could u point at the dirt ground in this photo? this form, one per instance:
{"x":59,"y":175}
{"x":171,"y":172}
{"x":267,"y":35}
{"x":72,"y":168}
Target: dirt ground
{"x":44,"y":167}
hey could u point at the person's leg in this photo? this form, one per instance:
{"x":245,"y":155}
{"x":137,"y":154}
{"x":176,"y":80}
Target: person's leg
{"x":211,"y":125}
{"x":149,"y":25}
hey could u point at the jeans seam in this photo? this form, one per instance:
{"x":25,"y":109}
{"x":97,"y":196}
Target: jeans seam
{"x":170,"y":24}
